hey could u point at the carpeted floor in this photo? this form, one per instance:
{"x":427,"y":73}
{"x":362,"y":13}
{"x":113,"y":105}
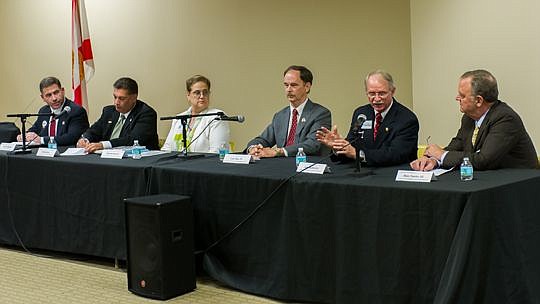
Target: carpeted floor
{"x":30,"y":279}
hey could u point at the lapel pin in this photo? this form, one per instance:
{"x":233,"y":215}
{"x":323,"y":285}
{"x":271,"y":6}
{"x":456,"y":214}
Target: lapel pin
{"x":109,"y":122}
{"x":63,"y":123}
{"x":386,"y":129}
{"x":44,"y":124}
{"x":303,"y":119}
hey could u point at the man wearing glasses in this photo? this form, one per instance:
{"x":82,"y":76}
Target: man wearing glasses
{"x":294,"y":126}
{"x":382,"y":133}
{"x":128,"y":119}
{"x":491,"y":135}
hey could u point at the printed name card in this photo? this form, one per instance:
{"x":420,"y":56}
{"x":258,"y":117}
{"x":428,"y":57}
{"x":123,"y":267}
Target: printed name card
{"x":237,"y":159}
{"x":46,"y":152}
{"x":74,"y":152}
{"x":8,"y":146}
{"x":112,"y":153}
{"x":306,"y":167}
{"x":415,"y":176}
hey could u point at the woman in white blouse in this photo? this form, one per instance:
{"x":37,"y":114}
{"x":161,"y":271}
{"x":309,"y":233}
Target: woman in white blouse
{"x":204,"y":134}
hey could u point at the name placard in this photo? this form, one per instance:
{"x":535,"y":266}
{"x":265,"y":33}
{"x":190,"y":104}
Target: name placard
{"x":306,"y":167}
{"x":112,"y":153}
{"x":8,"y":146}
{"x":46,"y":152}
{"x":415,"y":176}
{"x":74,"y":152}
{"x":237,"y":159}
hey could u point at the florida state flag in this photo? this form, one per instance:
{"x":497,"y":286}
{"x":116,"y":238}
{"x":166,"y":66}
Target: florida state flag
{"x":82,"y":60}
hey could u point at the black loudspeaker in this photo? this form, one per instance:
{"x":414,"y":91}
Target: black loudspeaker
{"x":160,"y":256}
{"x":8,"y":132}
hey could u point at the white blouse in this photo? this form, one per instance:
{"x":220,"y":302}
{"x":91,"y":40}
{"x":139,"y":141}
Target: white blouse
{"x":203,"y":138}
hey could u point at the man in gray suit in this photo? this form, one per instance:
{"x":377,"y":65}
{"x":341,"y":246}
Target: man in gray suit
{"x":491,"y":135}
{"x":295,"y":125}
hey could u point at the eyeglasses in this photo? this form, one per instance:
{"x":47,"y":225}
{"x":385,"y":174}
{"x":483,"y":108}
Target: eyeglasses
{"x":203,"y":93}
{"x":375,"y":94}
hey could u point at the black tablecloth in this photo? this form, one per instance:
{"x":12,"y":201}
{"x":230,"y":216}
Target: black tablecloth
{"x":333,"y":238}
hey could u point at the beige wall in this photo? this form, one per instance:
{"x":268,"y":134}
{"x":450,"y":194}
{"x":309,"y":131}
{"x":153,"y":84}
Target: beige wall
{"x":243,"y":46}
{"x":451,"y":37}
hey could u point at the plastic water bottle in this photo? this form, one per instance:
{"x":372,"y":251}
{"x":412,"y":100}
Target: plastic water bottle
{"x":223,"y":149}
{"x":466,"y":170}
{"x":300,"y":157}
{"x":52,"y":143}
{"x":136,"y":150}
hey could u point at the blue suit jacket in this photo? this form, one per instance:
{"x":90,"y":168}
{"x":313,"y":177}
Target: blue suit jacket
{"x":141,"y":124}
{"x":69,"y":126}
{"x":313,"y":117}
{"x":397,"y":139}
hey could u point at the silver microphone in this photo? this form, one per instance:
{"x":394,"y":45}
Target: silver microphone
{"x":66,"y":109}
{"x":359,"y":121}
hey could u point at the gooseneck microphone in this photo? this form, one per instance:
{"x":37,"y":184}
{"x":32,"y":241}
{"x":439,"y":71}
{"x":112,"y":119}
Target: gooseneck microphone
{"x":66,"y":109}
{"x":359,"y":122}
{"x":238,"y":118}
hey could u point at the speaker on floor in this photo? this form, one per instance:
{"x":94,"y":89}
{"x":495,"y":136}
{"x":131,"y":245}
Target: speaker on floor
{"x":160,"y":256}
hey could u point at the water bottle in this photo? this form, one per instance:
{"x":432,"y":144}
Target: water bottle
{"x":466,"y":170}
{"x":136,"y":150}
{"x":52,"y":143}
{"x":300,"y":157}
{"x":223,"y":149}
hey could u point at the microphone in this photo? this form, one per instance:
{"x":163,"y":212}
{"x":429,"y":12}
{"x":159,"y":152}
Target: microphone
{"x":66,"y":109}
{"x":359,"y":122}
{"x":238,"y":118}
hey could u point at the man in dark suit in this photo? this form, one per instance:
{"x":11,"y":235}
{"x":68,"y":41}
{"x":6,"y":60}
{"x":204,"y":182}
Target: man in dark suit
{"x":68,"y":123}
{"x":389,"y":134}
{"x":295,"y":125}
{"x":491,"y":135}
{"x":128,"y":119}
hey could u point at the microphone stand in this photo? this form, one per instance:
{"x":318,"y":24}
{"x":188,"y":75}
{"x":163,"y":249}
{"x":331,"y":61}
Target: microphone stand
{"x":358,"y":165}
{"x":183,"y":120}
{"x":23,"y":118}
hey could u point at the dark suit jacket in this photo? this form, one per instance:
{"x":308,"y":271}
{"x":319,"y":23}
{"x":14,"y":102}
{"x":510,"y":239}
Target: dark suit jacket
{"x":502,"y":142}
{"x":141,"y":124}
{"x":313,"y":117}
{"x":397,"y":140}
{"x":69,"y":126}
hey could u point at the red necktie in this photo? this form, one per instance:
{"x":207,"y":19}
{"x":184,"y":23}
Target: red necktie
{"x":52,"y":127}
{"x":292,"y":132}
{"x":378,"y":120}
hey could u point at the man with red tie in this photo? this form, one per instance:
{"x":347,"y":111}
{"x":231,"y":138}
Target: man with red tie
{"x":295,"y":125}
{"x":386,"y":133}
{"x":66,"y":125}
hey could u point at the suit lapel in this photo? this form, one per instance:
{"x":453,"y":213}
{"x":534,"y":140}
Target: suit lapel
{"x":306,"y":115}
{"x":283,"y":125}
{"x":483,"y":127}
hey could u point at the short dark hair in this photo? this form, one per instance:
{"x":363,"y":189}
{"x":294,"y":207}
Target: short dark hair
{"x":194,"y":79}
{"x":47,"y":82}
{"x":305,"y":73}
{"x":483,"y":83}
{"x":128,"y":84}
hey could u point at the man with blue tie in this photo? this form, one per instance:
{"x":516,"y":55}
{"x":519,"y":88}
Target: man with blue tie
{"x":386,"y":134}
{"x":66,"y":125}
{"x":294,"y":126}
{"x":128,"y":119}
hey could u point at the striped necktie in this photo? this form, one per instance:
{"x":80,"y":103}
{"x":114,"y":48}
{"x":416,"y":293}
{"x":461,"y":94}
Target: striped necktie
{"x":292,"y":132}
{"x":474,"y":135}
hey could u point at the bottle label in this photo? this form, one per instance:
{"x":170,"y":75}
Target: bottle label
{"x":300,"y":159}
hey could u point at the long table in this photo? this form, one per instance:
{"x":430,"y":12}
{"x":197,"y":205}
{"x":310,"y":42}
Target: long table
{"x":332,"y":238}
